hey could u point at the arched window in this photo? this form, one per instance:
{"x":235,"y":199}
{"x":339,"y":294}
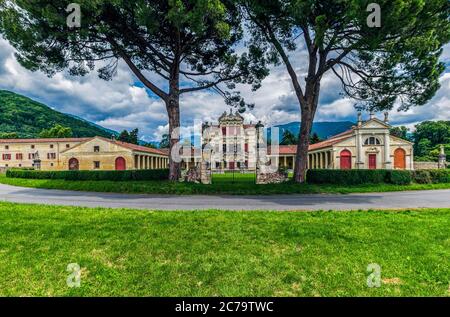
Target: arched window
{"x":372,"y":141}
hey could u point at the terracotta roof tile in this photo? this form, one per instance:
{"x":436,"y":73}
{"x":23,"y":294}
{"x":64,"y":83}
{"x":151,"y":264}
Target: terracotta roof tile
{"x":134,"y":147}
{"x":44,"y":140}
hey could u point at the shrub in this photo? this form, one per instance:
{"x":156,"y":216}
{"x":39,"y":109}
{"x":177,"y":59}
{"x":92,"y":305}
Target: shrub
{"x":422,"y":177}
{"x":132,"y":175}
{"x":432,"y":176}
{"x":398,"y":177}
{"x":357,"y":177}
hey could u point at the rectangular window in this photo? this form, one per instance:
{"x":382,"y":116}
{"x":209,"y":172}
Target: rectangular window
{"x":67,"y":146}
{"x":51,"y":156}
{"x":19,"y":156}
{"x":224,"y":148}
{"x":51,"y":146}
{"x":96,"y":164}
{"x":32,"y":146}
{"x":6,"y":147}
{"x":6,"y":157}
{"x":224,"y":131}
{"x":31,"y":156}
{"x":217,"y":164}
{"x":96,"y":149}
{"x":246,"y":147}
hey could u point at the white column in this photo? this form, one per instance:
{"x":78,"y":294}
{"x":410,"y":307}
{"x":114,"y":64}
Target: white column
{"x":359,"y":161}
{"x":387,"y":151}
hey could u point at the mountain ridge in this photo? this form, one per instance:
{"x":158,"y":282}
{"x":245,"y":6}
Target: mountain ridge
{"x":28,"y":118}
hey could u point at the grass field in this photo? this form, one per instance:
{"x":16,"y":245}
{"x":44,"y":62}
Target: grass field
{"x":222,"y":184}
{"x":140,"y":253}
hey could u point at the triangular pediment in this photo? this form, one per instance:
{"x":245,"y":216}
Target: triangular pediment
{"x":375,"y":124}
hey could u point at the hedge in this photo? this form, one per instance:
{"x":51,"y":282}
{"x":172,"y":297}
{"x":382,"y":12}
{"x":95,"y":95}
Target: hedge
{"x":432,"y":176}
{"x":358,"y":177}
{"x":132,"y":175}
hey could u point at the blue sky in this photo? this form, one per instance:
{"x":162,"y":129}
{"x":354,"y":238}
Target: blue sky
{"x":124,"y":103}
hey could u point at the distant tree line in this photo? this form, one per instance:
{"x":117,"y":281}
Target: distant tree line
{"x":428,"y":138}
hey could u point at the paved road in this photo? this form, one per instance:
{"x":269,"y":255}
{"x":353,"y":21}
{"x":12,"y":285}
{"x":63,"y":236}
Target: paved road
{"x":397,"y":200}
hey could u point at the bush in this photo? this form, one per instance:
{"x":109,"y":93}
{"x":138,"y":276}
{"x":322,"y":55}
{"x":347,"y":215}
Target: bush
{"x":422,"y":177}
{"x":398,"y":177}
{"x":132,"y":175}
{"x":432,"y":176}
{"x":358,"y":177}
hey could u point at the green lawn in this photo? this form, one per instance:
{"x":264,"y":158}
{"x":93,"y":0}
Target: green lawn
{"x":212,"y":253}
{"x":222,"y":184}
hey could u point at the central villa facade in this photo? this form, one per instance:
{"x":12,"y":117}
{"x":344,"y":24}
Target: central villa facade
{"x":232,"y":143}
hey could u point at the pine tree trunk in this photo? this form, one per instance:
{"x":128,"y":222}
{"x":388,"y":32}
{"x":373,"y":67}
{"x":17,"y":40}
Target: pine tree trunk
{"x":301,"y":159}
{"x":173,"y":110}
{"x":308,"y":111}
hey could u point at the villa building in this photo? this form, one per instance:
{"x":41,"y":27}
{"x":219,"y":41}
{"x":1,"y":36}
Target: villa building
{"x":94,"y":153}
{"x":369,"y":145}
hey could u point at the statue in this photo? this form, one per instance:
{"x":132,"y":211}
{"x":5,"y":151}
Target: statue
{"x":442,"y":158}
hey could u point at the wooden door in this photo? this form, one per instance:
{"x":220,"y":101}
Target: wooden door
{"x":372,"y":161}
{"x":121,"y":164}
{"x":400,"y":159}
{"x":346,"y":160}
{"x":231,"y":165}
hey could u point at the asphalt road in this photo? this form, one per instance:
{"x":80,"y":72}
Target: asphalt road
{"x":393,"y":200}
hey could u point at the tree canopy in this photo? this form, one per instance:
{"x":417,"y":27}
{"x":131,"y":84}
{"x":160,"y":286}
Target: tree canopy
{"x":57,"y":131}
{"x":129,"y":137}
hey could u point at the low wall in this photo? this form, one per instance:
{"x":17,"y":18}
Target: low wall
{"x":426,"y":165}
{"x":3,"y":170}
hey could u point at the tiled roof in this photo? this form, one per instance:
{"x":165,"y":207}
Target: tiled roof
{"x":51,"y":140}
{"x":292,"y":149}
{"x":139,"y":148}
{"x":333,"y":140}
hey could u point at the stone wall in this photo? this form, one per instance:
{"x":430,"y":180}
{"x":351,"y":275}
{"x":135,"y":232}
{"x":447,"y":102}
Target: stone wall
{"x":271,"y":178}
{"x":426,"y":165}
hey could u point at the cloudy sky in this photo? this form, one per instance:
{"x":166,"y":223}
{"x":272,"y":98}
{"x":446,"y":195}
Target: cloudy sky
{"x":123,"y":103}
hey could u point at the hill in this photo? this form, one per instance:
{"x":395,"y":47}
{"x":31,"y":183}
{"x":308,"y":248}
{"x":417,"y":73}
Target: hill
{"x":323,"y":129}
{"x":28,"y":118}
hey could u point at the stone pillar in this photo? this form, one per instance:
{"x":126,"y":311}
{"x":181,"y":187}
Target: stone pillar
{"x":387,"y":151}
{"x":285,"y":161}
{"x":326,"y":159}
